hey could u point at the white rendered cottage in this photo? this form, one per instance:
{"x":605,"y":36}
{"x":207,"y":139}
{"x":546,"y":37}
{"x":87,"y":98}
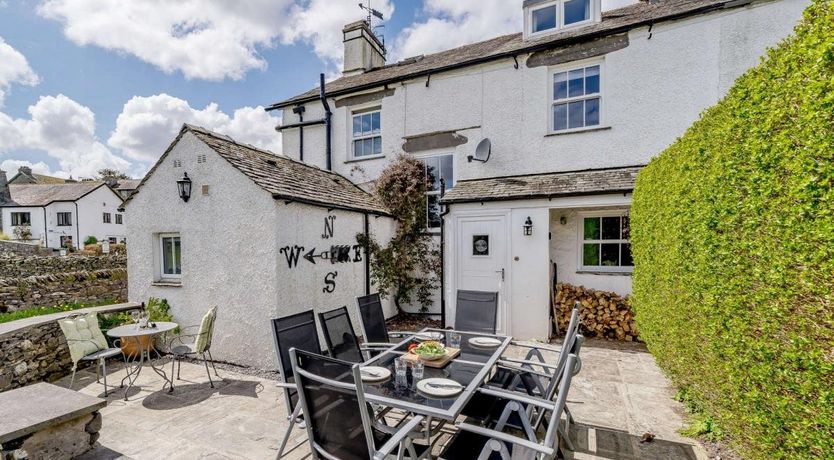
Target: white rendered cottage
{"x":573,"y":106}
{"x":260,"y":236}
{"x":59,"y":215}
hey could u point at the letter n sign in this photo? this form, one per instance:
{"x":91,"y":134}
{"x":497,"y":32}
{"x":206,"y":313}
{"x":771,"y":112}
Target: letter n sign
{"x":329,"y":222}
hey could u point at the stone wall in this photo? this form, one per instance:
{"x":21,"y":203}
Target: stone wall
{"x":15,"y":248}
{"x":16,"y":267}
{"x":47,"y":290}
{"x":37,"y":350}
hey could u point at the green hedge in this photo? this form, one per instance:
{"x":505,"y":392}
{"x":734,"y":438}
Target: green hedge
{"x":733,"y":239}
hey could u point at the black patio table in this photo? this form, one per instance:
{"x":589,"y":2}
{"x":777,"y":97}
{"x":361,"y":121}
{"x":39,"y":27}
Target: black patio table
{"x":471,"y":369}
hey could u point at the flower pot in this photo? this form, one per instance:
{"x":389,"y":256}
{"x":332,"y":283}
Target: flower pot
{"x":132,"y":346}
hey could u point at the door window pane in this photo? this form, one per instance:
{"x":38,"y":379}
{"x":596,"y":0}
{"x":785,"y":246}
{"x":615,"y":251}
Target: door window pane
{"x":577,"y":11}
{"x":544,"y":18}
{"x":590,"y":255}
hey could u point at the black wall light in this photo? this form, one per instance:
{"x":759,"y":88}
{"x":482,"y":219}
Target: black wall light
{"x":528,"y":226}
{"x":184,"y":187}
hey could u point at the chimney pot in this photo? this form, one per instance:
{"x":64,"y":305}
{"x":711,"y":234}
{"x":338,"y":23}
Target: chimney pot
{"x":25,"y":170}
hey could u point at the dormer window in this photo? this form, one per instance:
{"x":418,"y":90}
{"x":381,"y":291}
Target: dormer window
{"x":547,"y":16}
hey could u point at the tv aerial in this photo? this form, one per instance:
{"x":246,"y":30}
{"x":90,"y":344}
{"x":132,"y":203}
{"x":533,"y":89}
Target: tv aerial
{"x":371,"y":12}
{"x":482,"y":151}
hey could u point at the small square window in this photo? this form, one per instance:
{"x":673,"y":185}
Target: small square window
{"x":544,"y":19}
{"x":480,"y":245}
{"x":577,"y":11}
{"x":605,"y":244}
{"x":367,"y":129}
{"x":119,"y":219}
{"x":170,"y":255}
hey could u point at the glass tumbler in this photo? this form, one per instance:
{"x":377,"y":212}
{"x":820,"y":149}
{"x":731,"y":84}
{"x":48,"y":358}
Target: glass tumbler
{"x":454,"y":339}
{"x":400,"y":366}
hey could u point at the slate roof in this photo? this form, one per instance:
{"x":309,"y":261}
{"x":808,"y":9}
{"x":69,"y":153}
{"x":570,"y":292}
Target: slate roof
{"x":128,"y":184}
{"x":283,"y":177}
{"x":23,"y":178}
{"x":44,"y":194}
{"x":552,"y":185}
{"x":613,"y":22}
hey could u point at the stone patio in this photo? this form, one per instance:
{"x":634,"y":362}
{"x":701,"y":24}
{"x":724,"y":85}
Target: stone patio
{"x":619,"y":395}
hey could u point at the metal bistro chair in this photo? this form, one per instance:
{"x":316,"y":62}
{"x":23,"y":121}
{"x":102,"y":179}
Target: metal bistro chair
{"x":476,"y":442}
{"x":341,"y":339}
{"x":372,"y":321}
{"x":86,"y":342}
{"x":476,"y":311}
{"x":201,"y":345}
{"x":339,"y":420}
{"x":295,"y":331}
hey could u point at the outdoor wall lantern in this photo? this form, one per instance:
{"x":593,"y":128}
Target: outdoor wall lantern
{"x":184,"y":187}
{"x":528,"y":227}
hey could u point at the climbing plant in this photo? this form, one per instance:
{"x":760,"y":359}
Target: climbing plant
{"x":407,"y":267}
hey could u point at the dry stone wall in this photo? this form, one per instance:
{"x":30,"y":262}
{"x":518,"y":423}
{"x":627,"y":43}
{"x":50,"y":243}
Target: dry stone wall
{"x":16,"y":267}
{"x":14,"y":248}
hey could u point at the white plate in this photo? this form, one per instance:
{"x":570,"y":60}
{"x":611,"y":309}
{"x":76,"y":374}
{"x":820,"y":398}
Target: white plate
{"x":374,"y":374}
{"x":426,"y":387}
{"x":484,"y":342}
{"x":424,"y":336}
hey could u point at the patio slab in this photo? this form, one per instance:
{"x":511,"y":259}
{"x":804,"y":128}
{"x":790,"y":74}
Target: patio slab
{"x":619,"y":395}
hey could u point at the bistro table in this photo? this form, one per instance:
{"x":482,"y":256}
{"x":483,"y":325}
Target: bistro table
{"x":143,"y":338}
{"x":471,"y":369}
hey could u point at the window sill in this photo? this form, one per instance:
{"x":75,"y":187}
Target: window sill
{"x":577,"y":131}
{"x":603,"y":272}
{"x":167,"y":283}
{"x":369,"y":157}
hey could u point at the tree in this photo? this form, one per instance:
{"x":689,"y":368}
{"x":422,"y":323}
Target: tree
{"x":408,"y":266}
{"x":109,"y":172}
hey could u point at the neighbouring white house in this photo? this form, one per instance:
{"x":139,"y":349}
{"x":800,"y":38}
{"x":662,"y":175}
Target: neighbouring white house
{"x":61,"y":215}
{"x":566,"y":113}
{"x":259,"y":235}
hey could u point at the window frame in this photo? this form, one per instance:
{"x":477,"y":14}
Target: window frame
{"x":161,"y":248}
{"x":422,"y":159}
{"x":581,"y":241}
{"x":20,"y":224}
{"x":560,"y":17}
{"x":106,"y":218}
{"x":67,"y":222}
{"x":358,"y":112}
{"x":552,"y":102}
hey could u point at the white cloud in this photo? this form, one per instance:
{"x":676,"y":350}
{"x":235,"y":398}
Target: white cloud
{"x":320,"y":23}
{"x":65,"y":130}
{"x":453,"y":23}
{"x":14,"y":68}
{"x":203,"y":39}
{"x":40,"y":167}
{"x":147,"y":125}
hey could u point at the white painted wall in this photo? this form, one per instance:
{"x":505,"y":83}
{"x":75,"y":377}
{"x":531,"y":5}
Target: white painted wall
{"x":36,"y":216}
{"x":231,"y":241}
{"x":653,"y":90}
{"x":90,"y":215}
{"x":54,"y":231}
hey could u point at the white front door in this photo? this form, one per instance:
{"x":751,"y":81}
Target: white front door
{"x":481,"y":259}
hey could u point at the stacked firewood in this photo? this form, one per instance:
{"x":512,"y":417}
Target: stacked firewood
{"x":602,"y":314}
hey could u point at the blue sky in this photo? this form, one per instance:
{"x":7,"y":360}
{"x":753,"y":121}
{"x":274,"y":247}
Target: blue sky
{"x":86,"y":84}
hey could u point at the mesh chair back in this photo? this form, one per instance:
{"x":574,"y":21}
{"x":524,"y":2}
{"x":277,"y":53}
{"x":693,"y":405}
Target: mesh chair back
{"x":296,"y":331}
{"x":373,"y":318}
{"x":551,"y":438}
{"x":339,"y":335}
{"x":476,"y":311}
{"x":337,"y":416}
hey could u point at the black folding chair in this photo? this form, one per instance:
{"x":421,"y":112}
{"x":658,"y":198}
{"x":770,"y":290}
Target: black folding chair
{"x":372,"y":320}
{"x":476,"y":311}
{"x":296,"y":331}
{"x":339,"y":420}
{"x":341,"y":340}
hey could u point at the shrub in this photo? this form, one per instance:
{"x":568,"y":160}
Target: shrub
{"x":733,"y":237}
{"x":22,"y":233}
{"x":90,"y":240}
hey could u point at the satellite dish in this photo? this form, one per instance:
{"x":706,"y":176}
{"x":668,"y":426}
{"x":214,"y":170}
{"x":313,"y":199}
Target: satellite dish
{"x":482,"y":151}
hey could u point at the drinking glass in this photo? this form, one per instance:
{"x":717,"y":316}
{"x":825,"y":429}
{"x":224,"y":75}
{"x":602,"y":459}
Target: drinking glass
{"x":400,"y":366}
{"x":454,"y":339}
{"x":417,"y":368}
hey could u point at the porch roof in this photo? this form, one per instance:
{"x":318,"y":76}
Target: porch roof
{"x":551,"y":185}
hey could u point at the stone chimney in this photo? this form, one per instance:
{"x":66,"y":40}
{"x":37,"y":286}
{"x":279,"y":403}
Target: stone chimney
{"x":363,"y":50}
{"x":25,"y":170}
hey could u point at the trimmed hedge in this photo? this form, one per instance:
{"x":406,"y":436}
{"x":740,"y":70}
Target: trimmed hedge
{"x":733,"y":241}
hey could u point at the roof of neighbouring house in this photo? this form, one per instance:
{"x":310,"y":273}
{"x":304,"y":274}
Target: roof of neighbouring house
{"x":128,"y":184}
{"x":507,"y":46}
{"x":282,"y":177}
{"x":38,"y":179}
{"x":44,"y":194}
{"x":552,"y":185}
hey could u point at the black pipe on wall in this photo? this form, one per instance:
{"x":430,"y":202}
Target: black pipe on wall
{"x":328,"y":116}
{"x":300,"y":111}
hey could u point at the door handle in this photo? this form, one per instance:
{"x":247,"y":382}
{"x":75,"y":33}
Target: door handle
{"x":501,"y":272}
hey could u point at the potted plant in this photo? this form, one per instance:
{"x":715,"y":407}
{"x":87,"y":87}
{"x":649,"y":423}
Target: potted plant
{"x":156,"y":310}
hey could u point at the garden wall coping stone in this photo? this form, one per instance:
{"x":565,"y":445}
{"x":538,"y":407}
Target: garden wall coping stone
{"x":12,"y":326}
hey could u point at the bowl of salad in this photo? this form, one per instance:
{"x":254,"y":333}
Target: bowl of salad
{"x":429,"y":350}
